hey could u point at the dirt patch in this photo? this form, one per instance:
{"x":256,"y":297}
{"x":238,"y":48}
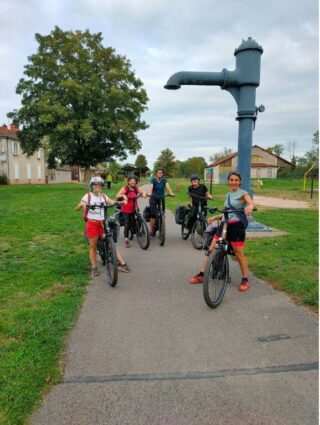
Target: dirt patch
{"x":268,"y":201}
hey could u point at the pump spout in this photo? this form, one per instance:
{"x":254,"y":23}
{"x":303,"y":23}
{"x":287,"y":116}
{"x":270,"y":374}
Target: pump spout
{"x":196,"y":79}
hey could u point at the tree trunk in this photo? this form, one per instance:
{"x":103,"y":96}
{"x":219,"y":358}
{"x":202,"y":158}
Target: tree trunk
{"x":87,"y":177}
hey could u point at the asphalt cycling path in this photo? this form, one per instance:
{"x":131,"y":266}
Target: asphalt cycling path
{"x":150,"y":352}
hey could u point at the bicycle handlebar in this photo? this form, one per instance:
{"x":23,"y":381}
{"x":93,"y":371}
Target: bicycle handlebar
{"x":227,"y":210}
{"x":103,"y":205}
{"x":193,"y":195}
{"x":153,"y":195}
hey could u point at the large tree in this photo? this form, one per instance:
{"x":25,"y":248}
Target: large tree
{"x":276,"y":149}
{"x":83,"y":96}
{"x":194,"y":165}
{"x":166,"y":160}
{"x":141,"y":162}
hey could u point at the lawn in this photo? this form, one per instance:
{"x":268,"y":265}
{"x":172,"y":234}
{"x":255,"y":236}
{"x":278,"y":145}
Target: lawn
{"x":43,"y":277}
{"x":44,"y":271}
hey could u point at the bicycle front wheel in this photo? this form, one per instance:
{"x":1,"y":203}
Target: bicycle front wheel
{"x":111,"y":261}
{"x":197,"y":233}
{"x":215,"y":278}
{"x":162,"y":230}
{"x":143,"y":235}
{"x":185,"y":232}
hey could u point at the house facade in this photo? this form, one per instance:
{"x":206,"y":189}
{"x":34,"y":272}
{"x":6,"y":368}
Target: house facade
{"x":18,"y":167}
{"x":264,"y":165}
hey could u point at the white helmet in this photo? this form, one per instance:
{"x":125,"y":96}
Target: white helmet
{"x":96,"y":180}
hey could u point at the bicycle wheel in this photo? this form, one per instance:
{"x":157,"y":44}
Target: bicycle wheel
{"x":143,"y":236}
{"x":185,"y":232}
{"x":111,"y":261}
{"x":215,"y":278}
{"x":162,"y":230}
{"x":197,"y":233}
{"x":102,"y":251}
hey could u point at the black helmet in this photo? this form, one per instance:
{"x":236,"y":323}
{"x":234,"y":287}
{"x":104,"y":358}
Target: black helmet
{"x":195,"y":177}
{"x":134,"y":177}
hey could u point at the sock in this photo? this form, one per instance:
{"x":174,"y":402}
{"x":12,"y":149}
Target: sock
{"x":244,"y":279}
{"x":201,"y":274}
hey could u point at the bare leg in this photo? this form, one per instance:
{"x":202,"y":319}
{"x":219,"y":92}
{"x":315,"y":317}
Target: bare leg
{"x":119,"y":257}
{"x":205,"y":260}
{"x":152,"y":224}
{"x":93,"y":251}
{"x":242,"y":260}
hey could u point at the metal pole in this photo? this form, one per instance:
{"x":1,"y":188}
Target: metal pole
{"x":244,"y":152}
{"x":311,"y":192}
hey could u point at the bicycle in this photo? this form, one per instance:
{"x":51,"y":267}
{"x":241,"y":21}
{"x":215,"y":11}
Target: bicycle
{"x":139,"y":227}
{"x":160,"y":224}
{"x":216,"y":275}
{"x":106,"y":245}
{"x":200,"y":224}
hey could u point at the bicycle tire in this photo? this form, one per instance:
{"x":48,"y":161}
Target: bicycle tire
{"x":142,"y":231}
{"x":197,"y":233}
{"x":185,"y":232}
{"x":215,"y":278}
{"x":102,"y":251}
{"x":111,"y":261}
{"x":162,"y":230}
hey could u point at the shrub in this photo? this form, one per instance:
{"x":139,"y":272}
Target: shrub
{"x":3,"y":179}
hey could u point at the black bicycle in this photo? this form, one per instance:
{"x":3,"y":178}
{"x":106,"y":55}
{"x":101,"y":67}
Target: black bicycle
{"x":139,"y":227}
{"x":107,"y":245}
{"x":200,"y":224}
{"x":216,"y":275}
{"x":160,"y":223}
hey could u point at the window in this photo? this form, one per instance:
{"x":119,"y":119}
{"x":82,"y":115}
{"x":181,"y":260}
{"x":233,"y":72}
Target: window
{"x":39,"y":171}
{"x":39,"y":153}
{"x":258,"y":172}
{"x":16,"y":171}
{"x":256,"y":159}
{"x":28,"y":171}
{"x":15,"y":148}
{"x":269,"y":173}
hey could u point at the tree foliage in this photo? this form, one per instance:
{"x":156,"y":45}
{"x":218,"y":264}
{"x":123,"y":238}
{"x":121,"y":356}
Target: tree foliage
{"x":194,"y":165}
{"x":276,"y":149}
{"x":166,"y":160}
{"x":83,"y":96}
{"x":141,"y":162}
{"x":222,"y":154}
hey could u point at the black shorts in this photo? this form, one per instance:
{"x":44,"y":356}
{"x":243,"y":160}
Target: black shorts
{"x":235,"y":233}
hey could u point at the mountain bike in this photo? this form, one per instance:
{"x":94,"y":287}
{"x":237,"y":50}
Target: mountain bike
{"x":216,"y":275}
{"x":200,"y":224}
{"x":139,"y":227}
{"x":106,"y":245}
{"x":160,"y":223}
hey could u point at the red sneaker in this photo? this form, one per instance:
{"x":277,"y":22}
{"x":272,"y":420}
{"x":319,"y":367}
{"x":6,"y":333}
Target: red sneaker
{"x":196,"y":279}
{"x":244,"y":286}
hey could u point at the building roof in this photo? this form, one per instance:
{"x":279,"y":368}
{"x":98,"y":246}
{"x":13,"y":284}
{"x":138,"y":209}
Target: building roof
{"x":10,"y":132}
{"x":227,"y":158}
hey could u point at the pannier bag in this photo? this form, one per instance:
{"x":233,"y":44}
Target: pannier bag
{"x":209,"y":234}
{"x":181,"y":212}
{"x":146,"y":214}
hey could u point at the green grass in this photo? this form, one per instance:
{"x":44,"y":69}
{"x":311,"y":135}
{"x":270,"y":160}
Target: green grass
{"x":289,"y":263}
{"x":44,"y":272}
{"x":43,"y":276}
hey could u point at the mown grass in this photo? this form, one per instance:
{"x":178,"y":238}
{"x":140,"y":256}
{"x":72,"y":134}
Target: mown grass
{"x":43,"y":276}
{"x":289,"y":263}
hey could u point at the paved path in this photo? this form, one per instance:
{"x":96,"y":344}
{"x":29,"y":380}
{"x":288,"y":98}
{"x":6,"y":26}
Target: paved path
{"x":150,"y":352}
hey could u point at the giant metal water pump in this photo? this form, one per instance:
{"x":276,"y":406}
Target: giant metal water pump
{"x":241,"y":83}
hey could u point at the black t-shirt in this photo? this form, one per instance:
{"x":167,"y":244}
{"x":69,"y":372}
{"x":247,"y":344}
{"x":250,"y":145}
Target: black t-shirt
{"x":201,"y":190}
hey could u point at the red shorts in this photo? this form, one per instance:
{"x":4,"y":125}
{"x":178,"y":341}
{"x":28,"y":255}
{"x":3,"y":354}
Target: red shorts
{"x":94,"y":228}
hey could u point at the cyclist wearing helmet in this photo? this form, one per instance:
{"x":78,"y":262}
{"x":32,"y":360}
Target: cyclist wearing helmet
{"x":197,"y":190}
{"x":129,"y":193}
{"x":94,"y":220}
{"x":157,"y":186}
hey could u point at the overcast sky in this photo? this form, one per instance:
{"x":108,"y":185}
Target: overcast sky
{"x":161,"y":37}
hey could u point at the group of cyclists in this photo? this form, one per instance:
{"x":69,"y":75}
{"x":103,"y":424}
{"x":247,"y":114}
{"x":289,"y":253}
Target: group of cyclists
{"x":236,"y":199}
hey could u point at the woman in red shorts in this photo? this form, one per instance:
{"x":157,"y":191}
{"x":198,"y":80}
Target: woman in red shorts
{"x":94,"y":220}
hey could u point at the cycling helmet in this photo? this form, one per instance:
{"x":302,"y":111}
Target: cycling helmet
{"x":96,"y":180}
{"x":195,"y":177}
{"x":133,"y":177}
